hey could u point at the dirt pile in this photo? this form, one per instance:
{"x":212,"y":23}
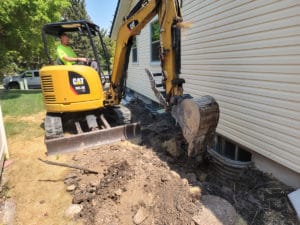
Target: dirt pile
{"x":133,"y":186}
{"x":143,"y":184}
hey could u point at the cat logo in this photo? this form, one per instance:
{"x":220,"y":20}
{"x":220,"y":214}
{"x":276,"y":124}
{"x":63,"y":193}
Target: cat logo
{"x":78,"y":81}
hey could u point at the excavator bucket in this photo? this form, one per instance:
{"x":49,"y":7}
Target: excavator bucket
{"x":92,"y":139}
{"x":198,"y":119}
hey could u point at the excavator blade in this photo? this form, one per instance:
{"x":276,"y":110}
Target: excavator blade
{"x":92,"y":139}
{"x":198,"y":119}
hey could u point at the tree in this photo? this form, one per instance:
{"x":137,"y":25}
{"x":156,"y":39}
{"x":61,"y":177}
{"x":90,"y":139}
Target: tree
{"x":76,"y":11}
{"x":110,"y":46}
{"x":20,"y":31}
{"x":81,"y":45}
{"x":21,"y":22}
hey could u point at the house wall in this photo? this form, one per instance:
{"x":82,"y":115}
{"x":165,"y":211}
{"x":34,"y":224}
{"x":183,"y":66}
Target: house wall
{"x":246,"y":54}
{"x":138,"y":79}
{"x":3,"y":142}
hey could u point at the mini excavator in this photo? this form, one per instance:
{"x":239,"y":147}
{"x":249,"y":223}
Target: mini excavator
{"x":81,"y":98}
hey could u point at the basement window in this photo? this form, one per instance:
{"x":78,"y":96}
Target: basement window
{"x":229,"y":149}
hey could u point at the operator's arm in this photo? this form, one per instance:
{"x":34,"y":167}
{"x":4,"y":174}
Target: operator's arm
{"x":68,"y":56}
{"x":71,"y":59}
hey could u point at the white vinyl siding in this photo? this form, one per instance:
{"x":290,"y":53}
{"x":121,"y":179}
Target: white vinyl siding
{"x":246,"y":54}
{"x":3,"y":142}
{"x":137,"y":78}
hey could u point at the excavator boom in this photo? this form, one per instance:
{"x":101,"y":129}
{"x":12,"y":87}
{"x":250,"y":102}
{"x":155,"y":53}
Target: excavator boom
{"x":169,"y":18}
{"x":198,"y":118}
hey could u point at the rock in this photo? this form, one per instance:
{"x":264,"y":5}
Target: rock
{"x":71,"y":187}
{"x":73,"y":210}
{"x":74,"y":158}
{"x":227,"y":191}
{"x":171,"y":148}
{"x":91,"y":189}
{"x":71,"y":176}
{"x":185,"y":181}
{"x":71,"y":179}
{"x":216,"y":211}
{"x":164,"y":178}
{"x":201,"y":176}
{"x":191,"y":177}
{"x":9,"y":212}
{"x":140,"y":216}
{"x":175,"y":174}
{"x":42,"y":201}
{"x":195,"y":192}
{"x":95,"y":183}
{"x":118,"y":192}
{"x":81,"y":196}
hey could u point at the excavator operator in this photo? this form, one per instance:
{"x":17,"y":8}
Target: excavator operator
{"x":65,"y":54}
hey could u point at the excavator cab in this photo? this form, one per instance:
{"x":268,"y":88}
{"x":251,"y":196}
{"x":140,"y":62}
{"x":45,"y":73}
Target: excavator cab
{"x":78,"y":115}
{"x":85,"y":35}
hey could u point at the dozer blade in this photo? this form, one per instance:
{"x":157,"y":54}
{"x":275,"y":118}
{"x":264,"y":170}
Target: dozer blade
{"x":198,"y":119}
{"x":92,"y":139}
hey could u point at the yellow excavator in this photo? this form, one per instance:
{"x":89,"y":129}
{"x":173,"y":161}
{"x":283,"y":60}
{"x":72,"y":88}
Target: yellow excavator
{"x":83,"y":104}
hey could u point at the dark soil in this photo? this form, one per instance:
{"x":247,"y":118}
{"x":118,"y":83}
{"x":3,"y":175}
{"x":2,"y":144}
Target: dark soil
{"x":142,"y":182}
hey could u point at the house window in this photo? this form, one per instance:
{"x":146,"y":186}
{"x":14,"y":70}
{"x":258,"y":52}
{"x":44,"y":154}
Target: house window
{"x":155,"y":30}
{"x":230,"y":149}
{"x":134,"y":51}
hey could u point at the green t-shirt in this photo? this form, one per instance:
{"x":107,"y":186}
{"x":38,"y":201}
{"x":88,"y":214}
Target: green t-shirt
{"x":62,"y":51}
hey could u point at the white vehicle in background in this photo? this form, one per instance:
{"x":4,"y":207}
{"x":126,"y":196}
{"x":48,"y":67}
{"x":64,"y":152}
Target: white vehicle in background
{"x":29,"y":79}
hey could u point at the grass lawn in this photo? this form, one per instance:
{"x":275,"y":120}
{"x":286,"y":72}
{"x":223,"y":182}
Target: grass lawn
{"x":21,"y":103}
{"x":19,"y":109}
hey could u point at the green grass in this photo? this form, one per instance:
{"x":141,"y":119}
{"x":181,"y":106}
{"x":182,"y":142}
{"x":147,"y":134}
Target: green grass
{"x":18,"y":103}
{"x":25,"y":130}
{"x":21,"y":103}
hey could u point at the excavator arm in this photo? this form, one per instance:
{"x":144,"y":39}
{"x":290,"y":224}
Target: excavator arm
{"x":198,"y":118}
{"x":169,"y":18}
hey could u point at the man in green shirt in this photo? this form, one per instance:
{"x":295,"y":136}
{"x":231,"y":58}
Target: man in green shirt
{"x":65,"y":53}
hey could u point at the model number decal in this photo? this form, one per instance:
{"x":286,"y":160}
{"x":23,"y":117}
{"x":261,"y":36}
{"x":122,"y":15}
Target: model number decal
{"x":78,"y":84}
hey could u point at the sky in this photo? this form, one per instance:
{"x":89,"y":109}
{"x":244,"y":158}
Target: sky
{"x":102,"y":12}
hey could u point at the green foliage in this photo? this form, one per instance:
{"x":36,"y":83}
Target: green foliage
{"x":21,"y":22}
{"x":155,"y":31}
{"x":110,"y":48}
{"x":76,"y":11}
{"x":21,"y":103}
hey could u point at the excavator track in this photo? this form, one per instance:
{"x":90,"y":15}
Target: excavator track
{"x":53,"y":126}
{"x":93,"y":129}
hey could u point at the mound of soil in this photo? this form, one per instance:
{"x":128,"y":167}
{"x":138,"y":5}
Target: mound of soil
{"x":152,"y":181}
